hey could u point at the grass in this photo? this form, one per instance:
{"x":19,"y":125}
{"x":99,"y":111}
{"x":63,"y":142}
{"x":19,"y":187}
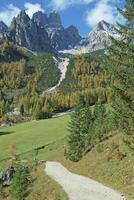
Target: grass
{"x":25,"y":137}
{"x":110,"y":162}
{"x":44,"y":188}
{"x":30,"y":135}
{"x":107,"y":164}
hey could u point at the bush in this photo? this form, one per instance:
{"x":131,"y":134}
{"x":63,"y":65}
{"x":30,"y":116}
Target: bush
{"x":20,"y":182}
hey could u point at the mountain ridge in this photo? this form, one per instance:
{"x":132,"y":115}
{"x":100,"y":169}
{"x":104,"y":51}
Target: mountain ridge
{"x":45,"y":33}
{"x":97,"y":39}
{"x":41,"y":33}
{"x":3,"y":27}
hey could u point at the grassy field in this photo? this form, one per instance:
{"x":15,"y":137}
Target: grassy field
{"x":27,"y":136}
{"x":110,"y":162}
{"x":24,"y":138}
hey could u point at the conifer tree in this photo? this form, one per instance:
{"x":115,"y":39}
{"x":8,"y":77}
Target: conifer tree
{"x":79,"y":128}
{"x":121,"y":63}
{"x":20,"y":183}
{"x":100,"y":121}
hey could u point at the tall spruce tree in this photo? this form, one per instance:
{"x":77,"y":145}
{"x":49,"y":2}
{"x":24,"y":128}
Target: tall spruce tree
{"x":79,"y":128}
{"x":121,"y":65}
{"x":100,"y":121}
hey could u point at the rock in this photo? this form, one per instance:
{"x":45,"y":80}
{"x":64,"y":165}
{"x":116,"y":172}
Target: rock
{"x":98,"y":38}
{"x":73,"y":36}
{"x":60,"y":38}
{"x":26,"y":33}
{"x":105,"y":26}
{"x":7,"y":175}
{"x":3,"y":27}
{"x":5,"y":124}
{"x":42,"y":33}
{"x":54,"y":20}
{"x":64,"y":39}
{"x":41,"y":19}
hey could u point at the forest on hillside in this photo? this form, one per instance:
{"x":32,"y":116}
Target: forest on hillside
{"x":23,"y":78}
{"x":110,"y":86}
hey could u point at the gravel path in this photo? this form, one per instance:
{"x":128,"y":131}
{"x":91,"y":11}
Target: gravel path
{"x":79,"y":187}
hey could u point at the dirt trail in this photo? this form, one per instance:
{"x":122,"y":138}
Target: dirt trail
{"x":79,"y":187}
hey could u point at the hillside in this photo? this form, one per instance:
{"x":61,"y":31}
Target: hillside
{"x":23,"y":73}
{"x":69,"y":84}
{"x":107,"y":161}
{"x":26,"y":77}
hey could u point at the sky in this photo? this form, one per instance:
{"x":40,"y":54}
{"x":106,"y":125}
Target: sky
{"x":84,"y":14}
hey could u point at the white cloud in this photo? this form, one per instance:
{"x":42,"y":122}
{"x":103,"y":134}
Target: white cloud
{"x":63,"y":4}
{"x":10,"y":12}
{"x":32,"y":8}
{"x":103,"y":10}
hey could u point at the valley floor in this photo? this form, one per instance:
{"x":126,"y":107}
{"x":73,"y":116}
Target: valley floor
{"x":109,"y":163}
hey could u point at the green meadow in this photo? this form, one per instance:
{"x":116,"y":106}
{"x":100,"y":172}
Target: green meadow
{"x":104,"y":163}
{"x":28,"y":136}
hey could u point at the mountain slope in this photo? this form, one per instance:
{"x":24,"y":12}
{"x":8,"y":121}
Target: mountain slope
{"x":69,"y":84}
{"x":26,"y":33}
{"x":107,"y":161}
{"x":42,"y":33}
{"x":21,"y":73}
{"x":97,"y":39}
{"x":3,"y":27}
{"x":45,"y":33}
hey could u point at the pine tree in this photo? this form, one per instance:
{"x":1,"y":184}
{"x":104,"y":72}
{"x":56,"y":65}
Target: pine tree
{"x":79,"y":128}
{"x":100,"y":121}
{"x":20,"y":182}
{"x":121,"y":62}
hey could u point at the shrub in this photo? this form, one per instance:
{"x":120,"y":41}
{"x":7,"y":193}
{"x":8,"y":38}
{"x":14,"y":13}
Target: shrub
{"x":20,"y":182}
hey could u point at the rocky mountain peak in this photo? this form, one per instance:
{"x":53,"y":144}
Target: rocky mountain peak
{"x":42,"y":33}
{"x":40,"y":18}
{"x":22,"y":18}
{"x":54,"y":19}
{"x":97,"y":39}
{"x":104,"y":26}
{"x":72,"y":29}
{"x":73,"y":35}
{"x":3,"y":27}
{"x":25,"y":32}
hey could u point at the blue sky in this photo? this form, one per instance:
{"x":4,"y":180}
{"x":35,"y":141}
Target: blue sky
{"x":84,"y":14}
